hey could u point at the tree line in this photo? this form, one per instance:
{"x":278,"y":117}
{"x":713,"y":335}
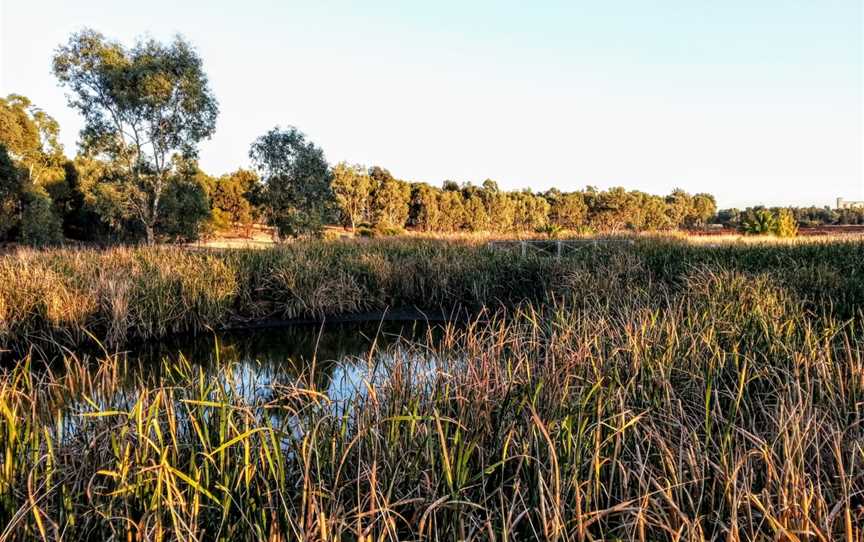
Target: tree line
{"x":807,"y":217}
{"x":136,"y":177}
{"x":373,"y":198}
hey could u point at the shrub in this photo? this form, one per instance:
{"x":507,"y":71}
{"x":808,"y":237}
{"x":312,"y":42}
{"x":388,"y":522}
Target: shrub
{"x":552,"y":231}
{"x":765,"y":222}
{"x":760,"y":222}
{"x":39,"y":225}
{"x":330,"y":235}
{"x":365,"y":231}
{"x":786,"y":225}
{"x":389,"y":231}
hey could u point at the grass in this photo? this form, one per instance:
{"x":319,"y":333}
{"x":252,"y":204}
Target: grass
{"x":65,"y":296}
{"x":659,"y":391}
{"x":120,"y":294}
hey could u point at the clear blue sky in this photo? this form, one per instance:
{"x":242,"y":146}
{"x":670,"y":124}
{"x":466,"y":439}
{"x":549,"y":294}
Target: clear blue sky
{"x":755,"y":101}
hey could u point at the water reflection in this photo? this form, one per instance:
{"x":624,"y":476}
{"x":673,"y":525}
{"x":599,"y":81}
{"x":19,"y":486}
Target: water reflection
{"x":336,"y":359}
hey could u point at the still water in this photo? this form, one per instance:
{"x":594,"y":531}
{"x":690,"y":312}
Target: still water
{"x":336,"y":359}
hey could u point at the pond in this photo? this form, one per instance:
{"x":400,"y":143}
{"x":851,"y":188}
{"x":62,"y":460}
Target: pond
{"x":338,"y":359}
{"x":257,"y":369}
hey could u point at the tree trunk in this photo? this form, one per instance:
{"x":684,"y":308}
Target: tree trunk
{"x":154,"y":213}
{"x":151,"y":233}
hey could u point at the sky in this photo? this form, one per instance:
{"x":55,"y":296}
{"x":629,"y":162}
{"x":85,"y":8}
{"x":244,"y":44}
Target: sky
{"x":754,"y":101}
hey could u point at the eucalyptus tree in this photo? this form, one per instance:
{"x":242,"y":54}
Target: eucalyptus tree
{"x":391,"y":199}
{"x":30,"y":137}
{"x":679,"y":206}
{"x":703,"y":210}
{"x":144,"y":108}
{"x":230,"y":199}
{"x":567,"y":210}
{"x":297,"y":195}
{"x":423,"y":212}
{"x":352,"y":188}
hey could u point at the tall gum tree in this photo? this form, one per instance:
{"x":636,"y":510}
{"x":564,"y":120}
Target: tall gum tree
{"x":297,"y":194}
{"x":142,"y":107}
{"x":352,"y":189}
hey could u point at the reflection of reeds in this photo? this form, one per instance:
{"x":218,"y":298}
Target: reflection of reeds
{"x":723,"y":408}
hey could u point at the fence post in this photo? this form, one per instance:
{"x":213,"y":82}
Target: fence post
{"x":558,"y":243}
{"x":524,"y":248}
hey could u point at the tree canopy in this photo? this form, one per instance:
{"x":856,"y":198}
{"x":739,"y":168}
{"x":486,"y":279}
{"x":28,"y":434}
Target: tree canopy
{"x":296,"y":177}
{"x":142,"y":107}
{"x":30,"y":137}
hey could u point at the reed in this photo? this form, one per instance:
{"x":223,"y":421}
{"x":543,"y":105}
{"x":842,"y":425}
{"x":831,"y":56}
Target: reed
{"x":67,"y":295}
{"x":652,"y":401}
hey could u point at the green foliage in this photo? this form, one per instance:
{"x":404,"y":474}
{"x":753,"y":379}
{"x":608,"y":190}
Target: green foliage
{"x":143,"y":107}
{"x":610,"y":210}
{"x":389,"y":231}
{"x":781,"y":223}
{"x":30,"y":137}
{"x":366,"y":231}
{"x":10,"y":194}
{"x":678,"y":206}
{"x":230,"y":200}
{"x":803,"y":216}
{"x":451,"y":211}
{"x":331,"y":235}
{"x":31,"y":160}
{"x":107,"y":213}
{"x":476,"y":217}
{"x":80,"y":222}
{"x":424,"y":212}
{"x":760,"y":222}
{"x":186,"y":208}
{"x":390,"y":199}
{"x":486,"y":208}
{"x":530,"y":211}
{"x":703,"y":210}
{"x":352,"y":187}
{"x":550,"y":230}
{"x":567,"y":210}
{"x":297,"y":193}
{"x":40,"y":226}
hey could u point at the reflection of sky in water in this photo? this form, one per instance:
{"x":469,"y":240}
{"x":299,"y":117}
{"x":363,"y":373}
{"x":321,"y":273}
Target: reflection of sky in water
{"x":344,"y":356}
{"x":340,"y":361}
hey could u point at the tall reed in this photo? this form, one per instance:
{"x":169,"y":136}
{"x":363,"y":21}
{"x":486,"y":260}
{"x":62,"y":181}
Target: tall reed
{"x":718,"y":407}
{"x":67,"y":295}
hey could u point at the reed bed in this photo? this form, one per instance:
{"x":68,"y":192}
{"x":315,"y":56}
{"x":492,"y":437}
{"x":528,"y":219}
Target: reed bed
{"x":66,"y":296}
{"x":723,"y":404}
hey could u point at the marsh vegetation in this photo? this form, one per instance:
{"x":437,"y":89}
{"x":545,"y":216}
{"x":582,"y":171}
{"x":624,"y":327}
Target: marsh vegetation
{"x":658,"y":390}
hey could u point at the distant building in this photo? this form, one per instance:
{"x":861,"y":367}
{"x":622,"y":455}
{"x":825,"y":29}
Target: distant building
{"x":846,"y":204}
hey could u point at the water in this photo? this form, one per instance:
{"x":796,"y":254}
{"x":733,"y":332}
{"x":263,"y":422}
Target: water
{"x":337,"y":359}
{"x":258,"y":369}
